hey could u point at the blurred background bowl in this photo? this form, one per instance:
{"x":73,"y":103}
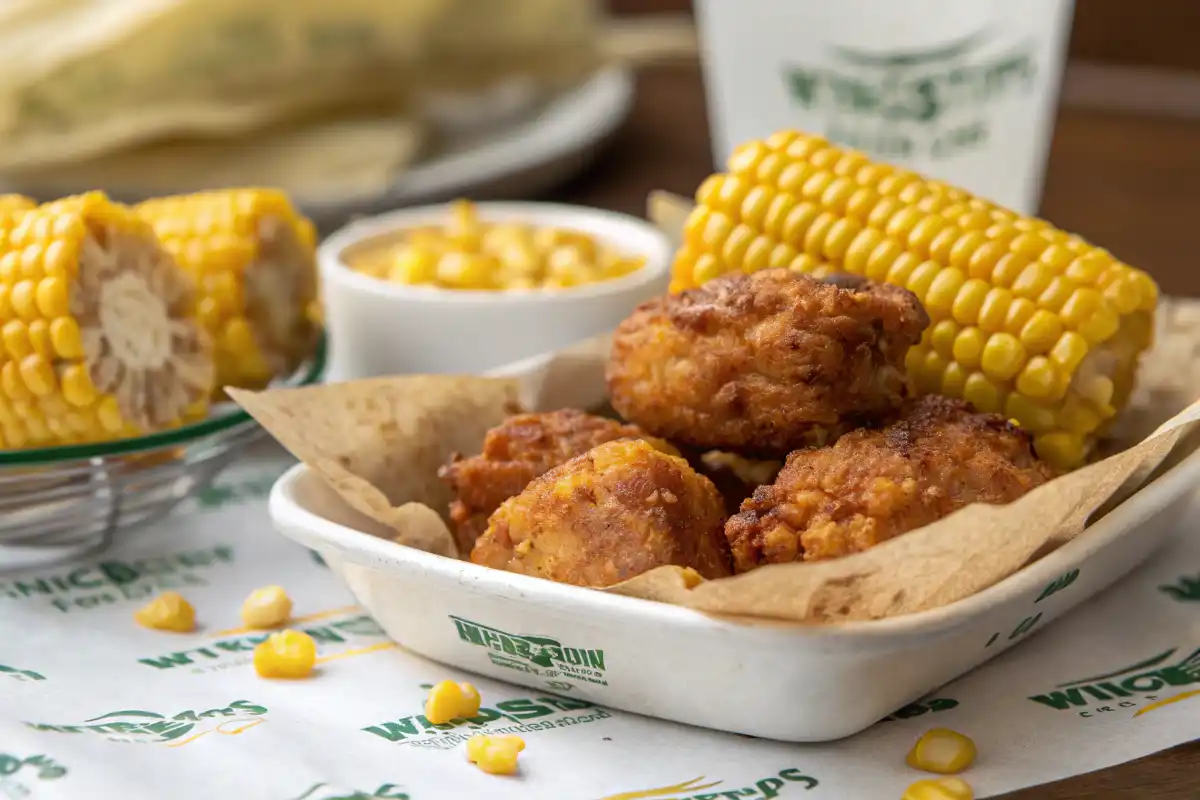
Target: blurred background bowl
{"x":380,"y":328}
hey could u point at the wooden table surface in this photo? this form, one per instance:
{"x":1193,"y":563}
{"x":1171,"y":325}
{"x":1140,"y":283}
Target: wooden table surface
{"x":1132,"y":184}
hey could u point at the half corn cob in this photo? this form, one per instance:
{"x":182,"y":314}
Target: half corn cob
{"x":253,"y":259}
{"x":1028,"y":321}
{"x":97,"y":337}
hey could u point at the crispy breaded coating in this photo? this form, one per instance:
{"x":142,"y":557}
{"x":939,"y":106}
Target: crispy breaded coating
{"x":619,"y":510}
{"x":873,"y":485}
{"x":516,"y":452}
{"x":765,"y":363}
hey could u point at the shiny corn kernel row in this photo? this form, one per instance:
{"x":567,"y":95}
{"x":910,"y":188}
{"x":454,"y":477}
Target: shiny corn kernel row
{"x":1027,"y":320}
{"x":253,"y":259}
{"x":98,"y":339}
{"x":470,"y":254}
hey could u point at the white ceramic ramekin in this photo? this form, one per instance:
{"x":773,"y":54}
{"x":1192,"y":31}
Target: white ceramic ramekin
{"x":379,"y":328}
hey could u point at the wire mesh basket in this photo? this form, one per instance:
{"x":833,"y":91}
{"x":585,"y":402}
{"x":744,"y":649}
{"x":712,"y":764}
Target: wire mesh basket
{"x":62,"y":503}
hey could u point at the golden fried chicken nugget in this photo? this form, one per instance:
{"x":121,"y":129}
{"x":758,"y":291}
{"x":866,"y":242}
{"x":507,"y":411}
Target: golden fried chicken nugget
{"x":612,"y":513}
{"x":873,"y":485}
{"x":517,"y":451}
{"x":765,"y":363}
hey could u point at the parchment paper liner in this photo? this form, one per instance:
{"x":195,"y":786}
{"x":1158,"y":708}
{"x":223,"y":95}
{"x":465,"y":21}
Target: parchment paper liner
{"x":379,"y":443}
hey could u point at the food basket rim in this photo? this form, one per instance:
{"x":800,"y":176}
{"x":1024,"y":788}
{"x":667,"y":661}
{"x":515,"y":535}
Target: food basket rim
{"x":288,"y":514}
{"x":228,"y":417}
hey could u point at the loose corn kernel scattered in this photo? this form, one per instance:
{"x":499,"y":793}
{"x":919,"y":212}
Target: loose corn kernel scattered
{"x":943,"y":751}
{"x":286,"y":654}
{"x":448,"y":700}
{"x":939,"y":789}
{"x":167,"y":612}
{"x":268,"y":607}
{"x":495,"y":755}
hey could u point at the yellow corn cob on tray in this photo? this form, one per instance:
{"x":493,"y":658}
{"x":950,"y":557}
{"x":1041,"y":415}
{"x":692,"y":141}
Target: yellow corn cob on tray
{"x":1027,"y":320}
{"x":98,"y":338}
{"x":253,"y":259}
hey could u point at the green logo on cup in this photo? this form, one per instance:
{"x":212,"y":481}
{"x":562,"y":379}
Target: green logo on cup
{"x":934,"y":102}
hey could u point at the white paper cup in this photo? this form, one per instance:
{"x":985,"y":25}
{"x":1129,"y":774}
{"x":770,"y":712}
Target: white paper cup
{"x":960,"y":90}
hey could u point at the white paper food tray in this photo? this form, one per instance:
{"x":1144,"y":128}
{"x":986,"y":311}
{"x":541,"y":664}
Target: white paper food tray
{"x":774,"y":680}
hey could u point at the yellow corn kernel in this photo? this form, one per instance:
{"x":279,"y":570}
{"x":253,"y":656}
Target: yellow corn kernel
{"x":1008,"y":269}
{"x":1077,"y":417}
{"x":268,"y":607}
{"x":944,"y":292}
{"x":414,"y":265}
{"x":707,"y":267}
{"x":1060,"y":448}
{"x":994,"y":309}
{"x":968,"y":347}
{"x":939,"y":789}
{"x":1100,"y":325}
{"x":921,"y":279}
{"x":982,"y":393}
{"x":942,"y":336}
{"x":1019,"y":312}
{"x":1039,"y":380}
{"x":968,"y":302}
{"x":954,"y":380}
{"x":495,"y":755}
{"x":167,"y":612}
{"x":448,"y":700}
{"x":1028,"y":414}
{"x":1041,"y":331}
{"x":900,"y":270}
{"x":1069,"y":351}
{"x":943,"y":751}
{"x":286,"y":654}
{"x":1097,"y":389}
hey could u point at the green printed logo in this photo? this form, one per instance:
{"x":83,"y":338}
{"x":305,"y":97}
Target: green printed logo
{"x":339,"y":631}
{"x":149,"y":727}
{"x":21,"y":674}
{"x":537,"y":655}
{"x":221,"y":495}
{"x":325,"y":791}
{"x":1186,"y":589}
{"x":508,"y":716}
{"x":1123,"y":688}
{"x":931,"y":706}
{"x":16,"y":773}
{"x":933,"y":102}
{"x":114,"y":581}
{"x":770,"y":786}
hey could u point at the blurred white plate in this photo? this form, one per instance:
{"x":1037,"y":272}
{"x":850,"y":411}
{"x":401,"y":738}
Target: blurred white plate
{"x":513,"y":156}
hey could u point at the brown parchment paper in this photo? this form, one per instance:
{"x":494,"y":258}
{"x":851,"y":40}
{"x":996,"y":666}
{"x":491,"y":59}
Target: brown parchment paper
{"x":380,"y":442}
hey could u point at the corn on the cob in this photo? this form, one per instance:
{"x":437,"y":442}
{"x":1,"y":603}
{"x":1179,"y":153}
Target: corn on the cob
{"x":1028,"y":321}
{"x":15,"y":203}
{"x":253,"y":259}
{"x":97,"y":340}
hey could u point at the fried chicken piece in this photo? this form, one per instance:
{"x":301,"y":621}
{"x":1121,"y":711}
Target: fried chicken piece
{"x":765,"y":363}
{"x":516,"y":452}
{"x":873,"y":485}
{"x":619,"y":510}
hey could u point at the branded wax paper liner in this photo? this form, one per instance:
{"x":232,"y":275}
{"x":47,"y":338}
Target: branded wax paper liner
{"x":380,"y":442}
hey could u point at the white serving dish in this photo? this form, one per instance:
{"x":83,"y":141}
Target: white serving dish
{"x":773,"y":680}
{"x":378,"y":328}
